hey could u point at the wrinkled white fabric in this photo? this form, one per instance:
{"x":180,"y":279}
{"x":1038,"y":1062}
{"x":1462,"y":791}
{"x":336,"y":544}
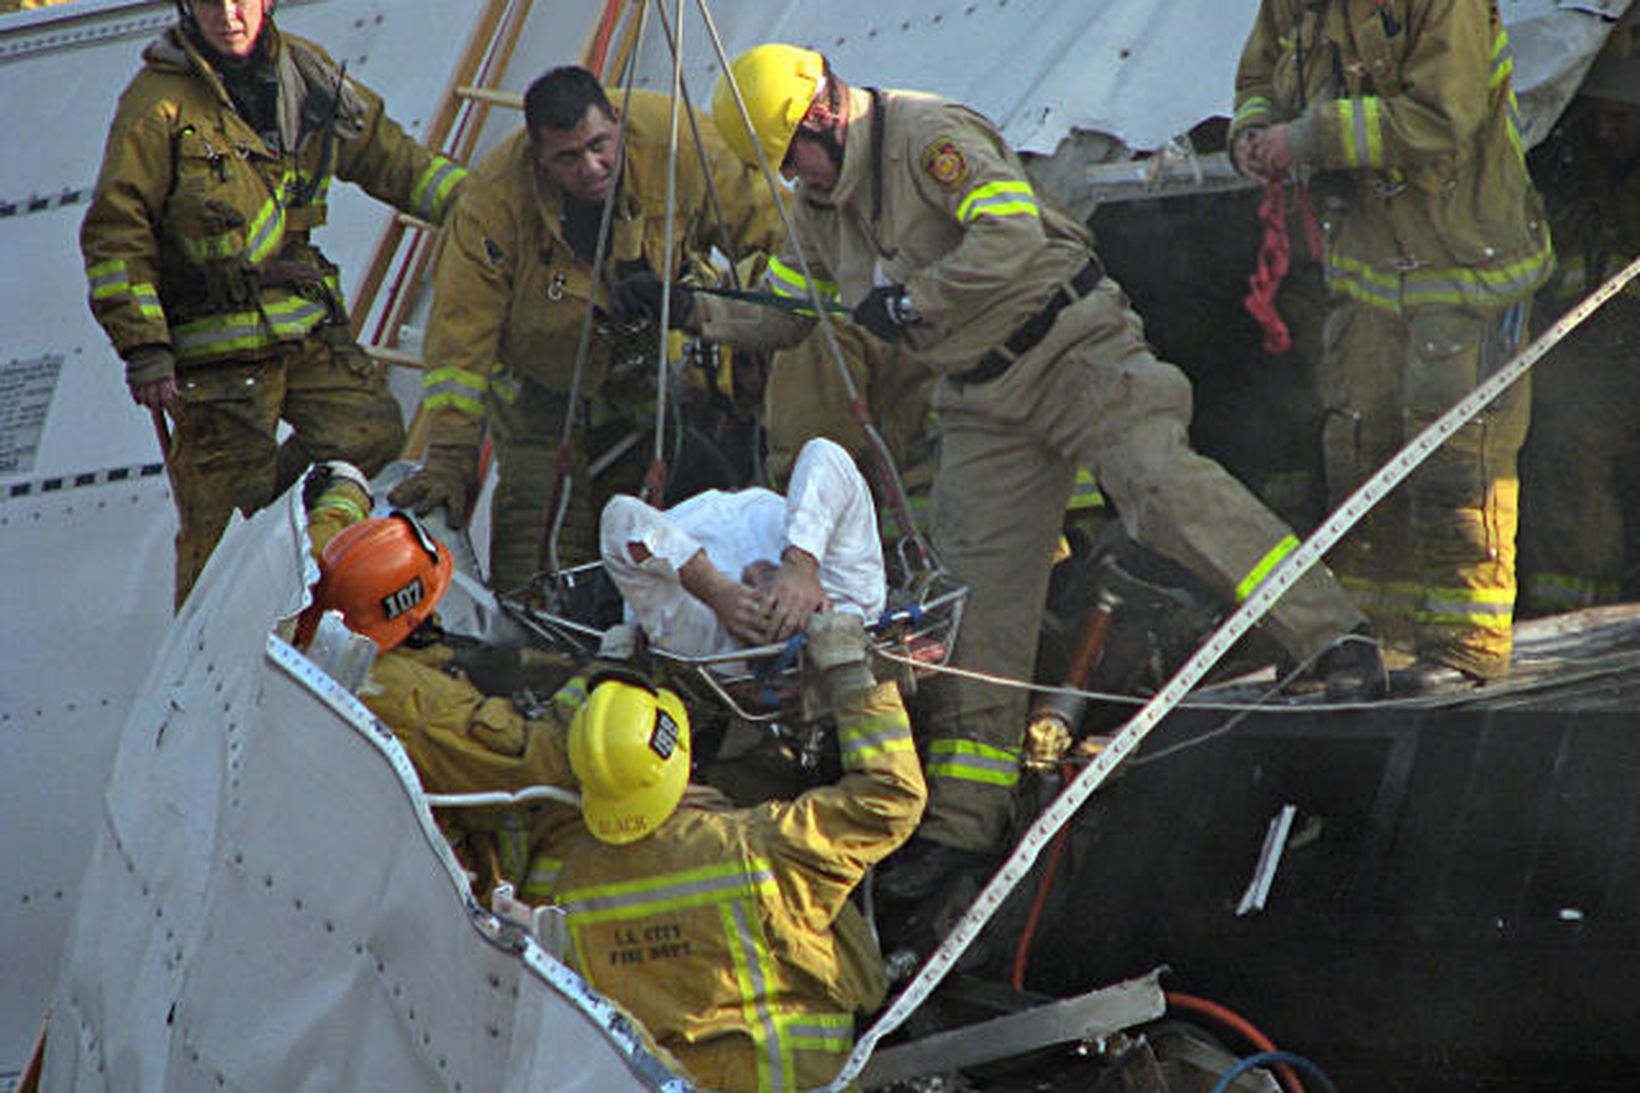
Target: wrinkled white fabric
{"x":827,"y":512}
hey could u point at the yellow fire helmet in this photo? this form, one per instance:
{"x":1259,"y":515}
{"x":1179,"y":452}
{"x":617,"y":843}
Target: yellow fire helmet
{"x":629,"y":748}
{"x":778,"y":83}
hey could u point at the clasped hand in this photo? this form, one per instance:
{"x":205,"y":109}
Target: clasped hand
{"x":770,"y":602}
{"x":1264,"y":153}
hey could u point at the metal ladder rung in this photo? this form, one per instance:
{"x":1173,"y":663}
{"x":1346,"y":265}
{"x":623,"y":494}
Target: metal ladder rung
{"x":510,"y":99}
{"x":396,"y":357}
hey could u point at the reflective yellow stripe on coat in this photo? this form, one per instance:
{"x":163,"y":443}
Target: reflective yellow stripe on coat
{"x":783,"y":280}
{"x":958,"y":760}
{"x":735,"y":890}
{"x":111,"y":279}
{"x":431,"y":195}
{"x":871,"y":739}
{"x":1256,"y":575}
{"x":1006,"y":198}
{"x":455,"y":388}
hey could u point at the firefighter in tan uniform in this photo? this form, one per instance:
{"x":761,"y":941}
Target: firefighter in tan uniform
{"x":1404,"y":111}
{"x":510,"y":296}
{"x":196,"y":245}
{"x":729,"y":932}
{"x":1580,"y":491}
{"x":916,"y":212}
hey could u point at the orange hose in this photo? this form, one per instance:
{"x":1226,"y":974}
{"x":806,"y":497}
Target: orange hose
{"x":1050,"y":869}
{"x":1249,"y":1031}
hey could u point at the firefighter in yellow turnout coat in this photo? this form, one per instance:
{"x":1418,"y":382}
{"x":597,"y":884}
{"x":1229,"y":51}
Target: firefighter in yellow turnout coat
{"x":511,"y":293}
{"x":460,"y":737}
{"x":201,"y":270}
{"x":1435,"y":243}
{"x":1043,"y":367}
{"x":729,"y":932}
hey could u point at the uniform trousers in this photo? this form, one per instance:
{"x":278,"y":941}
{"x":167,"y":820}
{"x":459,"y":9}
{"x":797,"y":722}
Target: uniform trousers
{"x":527,"y":423}
{"x":225,"y":451}
{"x":1091,"y":393}
{"x":1433,"y":564}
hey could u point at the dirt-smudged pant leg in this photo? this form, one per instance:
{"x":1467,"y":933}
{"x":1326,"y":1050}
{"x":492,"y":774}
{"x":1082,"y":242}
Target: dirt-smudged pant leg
{"x":1465,"y":500}
{"x":1434,"y":562}
{"x":1185,"y":506}
{"x":999,"y":500}
{"x":223,"y":454}
{"x":1091,"y":394}
{"x":526,"y":422}
{"x":1360,"y":378}
{"x":338,"y":402}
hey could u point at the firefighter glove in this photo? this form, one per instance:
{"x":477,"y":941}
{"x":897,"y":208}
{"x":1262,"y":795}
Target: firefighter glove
{"x":638,"y":296}
{"x":328,"y":475}
{"x":886,"y":312}
{"x":149,"y":364}
{"x":448,"y":477}
{"x":620,"y":642}
{"x":837,"y":649}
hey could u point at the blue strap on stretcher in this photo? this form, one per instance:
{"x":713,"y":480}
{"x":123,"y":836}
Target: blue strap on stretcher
{"x":912,"y":613}
{"x":770,"y":670}
{"x":767,"y":674}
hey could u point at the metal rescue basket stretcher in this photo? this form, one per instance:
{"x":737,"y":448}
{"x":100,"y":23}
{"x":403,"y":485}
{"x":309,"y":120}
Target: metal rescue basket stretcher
{"x":760,"y":683}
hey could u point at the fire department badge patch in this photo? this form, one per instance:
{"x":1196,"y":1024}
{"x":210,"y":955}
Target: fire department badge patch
{"x":944,"y":163}
{"x":663,"y":739}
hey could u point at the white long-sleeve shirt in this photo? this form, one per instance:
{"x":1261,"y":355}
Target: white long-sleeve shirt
{"x":827,"y":512}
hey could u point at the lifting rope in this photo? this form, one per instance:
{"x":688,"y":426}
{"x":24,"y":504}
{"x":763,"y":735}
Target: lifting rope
{"x":654,"y":480}
{"x":558,"y":498}
{"x":880,"y":462}
{"x":1053,"y":818}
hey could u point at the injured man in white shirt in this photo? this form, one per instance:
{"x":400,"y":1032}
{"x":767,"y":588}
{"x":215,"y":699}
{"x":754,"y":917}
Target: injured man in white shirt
{"x":725,"y":570}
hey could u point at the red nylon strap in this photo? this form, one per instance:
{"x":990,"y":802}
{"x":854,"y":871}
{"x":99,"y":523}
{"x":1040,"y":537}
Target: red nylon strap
{"x":857,"y":407}
{"x":888,"y":483}
{"x":1274,"y":254}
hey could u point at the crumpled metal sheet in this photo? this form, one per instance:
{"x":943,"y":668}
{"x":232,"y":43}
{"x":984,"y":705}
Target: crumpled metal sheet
{"x":269,"y":904}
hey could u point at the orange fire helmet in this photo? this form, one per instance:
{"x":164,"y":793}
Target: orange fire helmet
{"x":385,"y":575}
